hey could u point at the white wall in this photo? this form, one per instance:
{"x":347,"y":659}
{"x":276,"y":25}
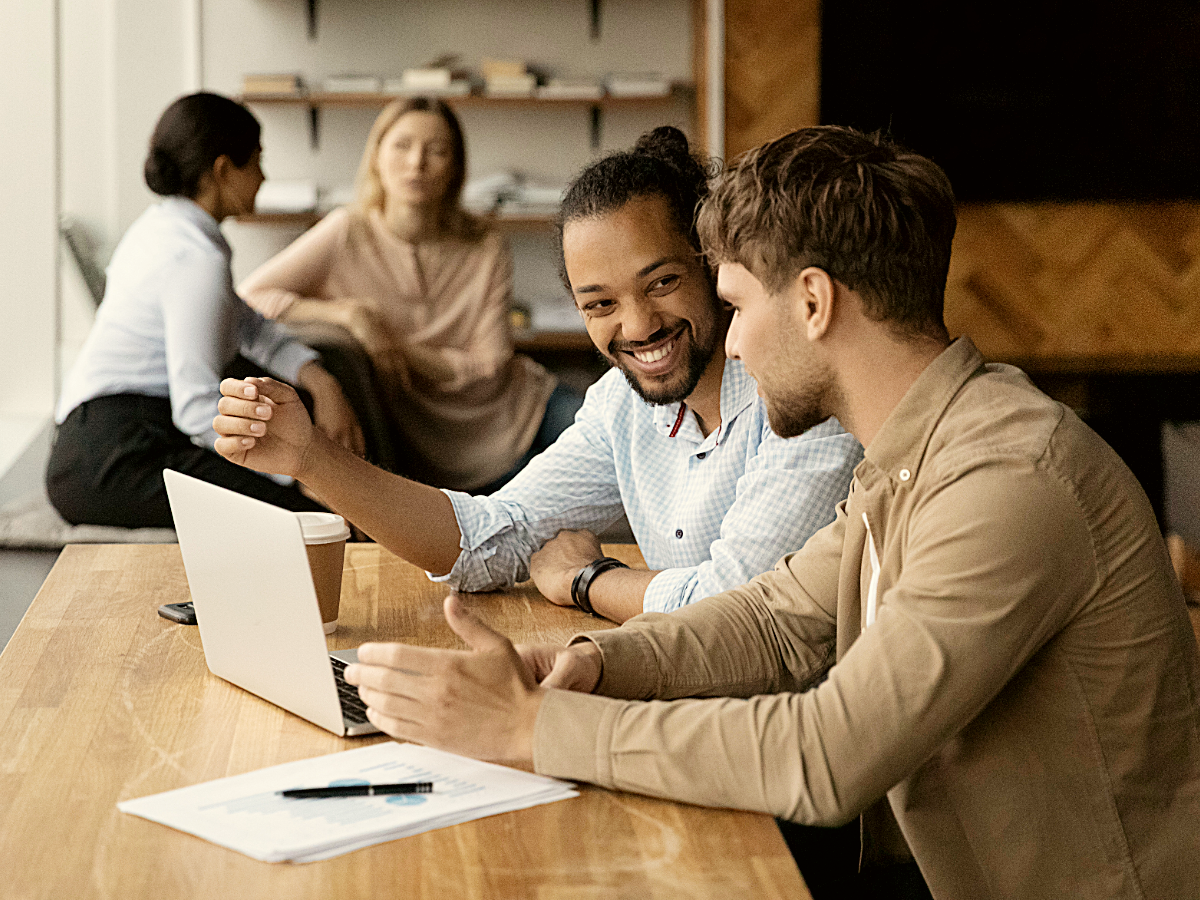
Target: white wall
{"x":114,"y":65}
{"x":28,"y":265}
{"x":383,"y":37}
{"x":122,"y":62}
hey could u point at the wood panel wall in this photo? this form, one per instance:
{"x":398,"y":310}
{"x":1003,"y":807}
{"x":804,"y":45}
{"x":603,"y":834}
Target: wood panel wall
{"x":772,"y":70}
{"x":1072,"y":286}
{"x":1079,"y":285}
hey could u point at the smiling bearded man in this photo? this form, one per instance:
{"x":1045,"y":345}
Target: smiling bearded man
{"x":680,"y":444}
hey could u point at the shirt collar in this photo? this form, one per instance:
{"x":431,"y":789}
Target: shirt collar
{"x":738,"y":391}
{"x":901,"y":442}
{"x":189,"y":210}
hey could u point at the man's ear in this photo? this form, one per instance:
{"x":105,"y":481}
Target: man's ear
{"x":814,"y":294}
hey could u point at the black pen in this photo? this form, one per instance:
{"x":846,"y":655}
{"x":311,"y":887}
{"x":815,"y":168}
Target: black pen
{"x":361,"y":790}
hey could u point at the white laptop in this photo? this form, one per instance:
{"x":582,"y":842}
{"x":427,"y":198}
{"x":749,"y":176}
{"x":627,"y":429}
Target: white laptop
{"x":256,"y":605}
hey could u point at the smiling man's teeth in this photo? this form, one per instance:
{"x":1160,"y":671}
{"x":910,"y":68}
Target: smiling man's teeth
{"x":654,"y":355}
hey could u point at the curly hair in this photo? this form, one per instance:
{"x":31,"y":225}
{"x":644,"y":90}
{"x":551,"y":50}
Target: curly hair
{"x":660,"y":164}
{"x":877,"y":218}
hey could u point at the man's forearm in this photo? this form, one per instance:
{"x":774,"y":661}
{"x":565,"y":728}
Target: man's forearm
{"x":414,"y":521}
{"x":618,"y":593}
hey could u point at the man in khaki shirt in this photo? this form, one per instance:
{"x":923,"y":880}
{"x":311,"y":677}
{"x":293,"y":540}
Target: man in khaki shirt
{"x":1009,"y":674}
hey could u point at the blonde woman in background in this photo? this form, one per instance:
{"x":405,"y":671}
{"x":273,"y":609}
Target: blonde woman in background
{"x":425,"y":288}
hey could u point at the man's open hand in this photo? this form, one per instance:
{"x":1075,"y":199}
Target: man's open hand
{"x":482,"y":702}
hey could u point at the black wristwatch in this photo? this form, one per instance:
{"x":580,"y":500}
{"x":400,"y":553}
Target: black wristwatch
{"x":583,"y":581}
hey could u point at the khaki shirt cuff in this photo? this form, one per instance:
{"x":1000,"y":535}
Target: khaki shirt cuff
{"x":572,"y":736}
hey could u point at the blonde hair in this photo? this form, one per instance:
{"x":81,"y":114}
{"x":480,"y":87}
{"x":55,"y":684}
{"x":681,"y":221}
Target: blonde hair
{"x":368,"y":188}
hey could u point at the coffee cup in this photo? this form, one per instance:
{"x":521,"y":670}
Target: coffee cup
{"x":325,"y":536}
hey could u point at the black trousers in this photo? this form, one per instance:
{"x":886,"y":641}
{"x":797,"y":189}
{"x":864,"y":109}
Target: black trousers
{"x":106,"y":465}
{"x":828,"y":860}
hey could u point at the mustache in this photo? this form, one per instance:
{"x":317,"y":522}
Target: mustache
{"x":616,"y":346}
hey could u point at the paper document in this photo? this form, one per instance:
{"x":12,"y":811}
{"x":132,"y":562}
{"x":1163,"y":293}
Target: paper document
{"x":245,"y":812}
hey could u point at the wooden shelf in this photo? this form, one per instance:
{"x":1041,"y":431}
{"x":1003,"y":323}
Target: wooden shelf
{"x":505,"y":222}
{"x":303,"y":219}
{"x":316,"y":101}
{"x":328,"y":100}
{"x":540,"y":341}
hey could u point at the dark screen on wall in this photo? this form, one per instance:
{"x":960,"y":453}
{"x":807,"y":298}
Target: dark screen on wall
{"x":1026,"y":101}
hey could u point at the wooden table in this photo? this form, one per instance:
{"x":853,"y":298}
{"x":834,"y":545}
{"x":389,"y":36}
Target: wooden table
{"x":101,"y":701}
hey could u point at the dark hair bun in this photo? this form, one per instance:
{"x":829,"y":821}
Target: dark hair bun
{"x":191,"y":134}
{"x":162,"y":173}
{"x":664,"y":142}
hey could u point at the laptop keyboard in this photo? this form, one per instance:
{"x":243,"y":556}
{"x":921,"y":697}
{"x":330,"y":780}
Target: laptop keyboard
{"x":353,"y":709}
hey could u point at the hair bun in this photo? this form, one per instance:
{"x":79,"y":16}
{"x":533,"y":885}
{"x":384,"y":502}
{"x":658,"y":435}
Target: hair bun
{"x":162,"y":173}
{"x":664,"y":142}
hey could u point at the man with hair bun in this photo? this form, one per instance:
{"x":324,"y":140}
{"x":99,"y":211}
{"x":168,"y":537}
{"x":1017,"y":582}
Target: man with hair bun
{"x":984,"y":663}
{"x":675,"y":437}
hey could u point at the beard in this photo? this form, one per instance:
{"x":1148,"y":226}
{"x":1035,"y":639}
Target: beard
{"x":698,"y":349}
{"x":803,"y":405}
{"x":681,"y":382}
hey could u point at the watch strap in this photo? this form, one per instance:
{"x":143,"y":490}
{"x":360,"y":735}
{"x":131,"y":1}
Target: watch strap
{"x":582,"y":583}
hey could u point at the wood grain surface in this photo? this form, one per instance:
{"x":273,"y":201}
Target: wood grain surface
{"x":1113,"y":286}
{"x":772,"y":70}
{"x":101,"y":700}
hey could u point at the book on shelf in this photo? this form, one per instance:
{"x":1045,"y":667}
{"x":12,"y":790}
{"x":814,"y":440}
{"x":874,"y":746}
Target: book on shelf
{"x":570,"y":89}
{"x":399,"y":87}
{"x":283,"y":84}
{"x":288,"y":197}
{"x":507,"y":78}
{"x":510,"y":85}
{"x":633,"y":84}
{"x":352,"y":84}
{"x":426,"y":79}
{"x":502,"y":68}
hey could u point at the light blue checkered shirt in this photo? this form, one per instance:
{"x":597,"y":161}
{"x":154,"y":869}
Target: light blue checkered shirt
{"x":709,"y":512}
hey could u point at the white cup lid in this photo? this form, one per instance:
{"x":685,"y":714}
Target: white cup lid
{"x":322,"y":528}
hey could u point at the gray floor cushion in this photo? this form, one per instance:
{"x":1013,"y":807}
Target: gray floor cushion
{"x":31,"y":523}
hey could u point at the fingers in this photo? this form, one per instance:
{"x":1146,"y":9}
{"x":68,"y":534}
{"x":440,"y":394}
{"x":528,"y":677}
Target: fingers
{"x":236,"y":387}
{"x":261,"y":409}
{"x":562,"y":674}
{"x":576,"y":668}
{"x":236,"y":426}
{"x":234,"y":448}
{"x":401,"y":657}
{"x":256,"y":388}
{"x":474,"y":633}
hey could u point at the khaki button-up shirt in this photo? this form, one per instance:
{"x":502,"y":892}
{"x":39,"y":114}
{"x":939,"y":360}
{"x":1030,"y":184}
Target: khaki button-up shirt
{"x":1023,"y":691}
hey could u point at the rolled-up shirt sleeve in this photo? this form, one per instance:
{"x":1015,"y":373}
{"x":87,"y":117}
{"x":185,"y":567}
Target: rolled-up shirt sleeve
{"x":572,"y":484}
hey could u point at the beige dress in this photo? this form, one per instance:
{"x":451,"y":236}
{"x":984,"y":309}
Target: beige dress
{"x":433,"y":317}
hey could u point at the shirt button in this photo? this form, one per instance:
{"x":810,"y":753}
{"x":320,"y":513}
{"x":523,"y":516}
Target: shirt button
{"x":701,"y":455}
{"x":678,"y":532}
{"x":905,"y":474}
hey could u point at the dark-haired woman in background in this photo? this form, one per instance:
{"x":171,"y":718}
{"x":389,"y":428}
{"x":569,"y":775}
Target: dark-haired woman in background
{"x":143,"y":393}
{"x":425,"y":288}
